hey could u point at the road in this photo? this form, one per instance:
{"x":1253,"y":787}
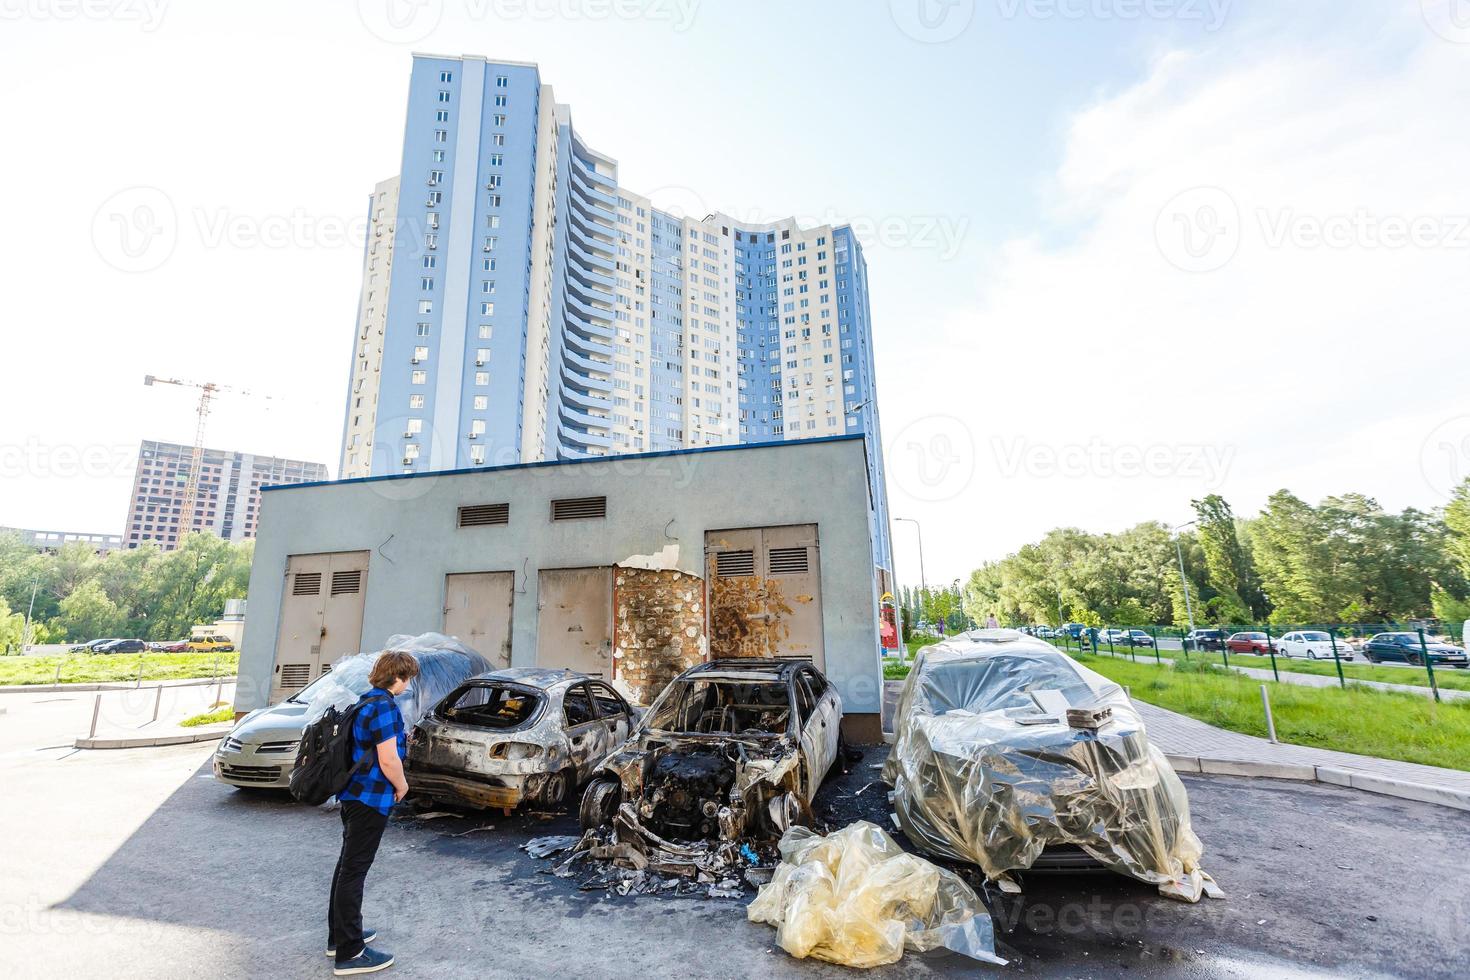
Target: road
{"x":136,"y":864}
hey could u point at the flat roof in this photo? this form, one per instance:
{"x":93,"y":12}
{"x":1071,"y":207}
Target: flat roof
{"x":617,"y":458}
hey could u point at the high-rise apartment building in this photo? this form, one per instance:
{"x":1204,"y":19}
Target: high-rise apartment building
{"x":519,"y":304}
{"x":228,"y":501}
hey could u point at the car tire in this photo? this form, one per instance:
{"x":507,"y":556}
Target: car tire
{"x":554,"y":790}
{"x":1415,"y":660}
{"x":599,"y":803}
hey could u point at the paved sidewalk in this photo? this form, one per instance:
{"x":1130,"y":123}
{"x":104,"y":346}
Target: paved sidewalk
{"x":114,"y":685}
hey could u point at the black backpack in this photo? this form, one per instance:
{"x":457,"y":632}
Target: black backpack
{"x":324,"y":761}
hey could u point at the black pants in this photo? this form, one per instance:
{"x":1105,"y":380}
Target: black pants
{"x":362,"y":830}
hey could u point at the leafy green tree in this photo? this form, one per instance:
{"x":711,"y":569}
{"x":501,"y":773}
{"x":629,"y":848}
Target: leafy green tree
{"x":87,"y":614}
{"x":1238,"y":597}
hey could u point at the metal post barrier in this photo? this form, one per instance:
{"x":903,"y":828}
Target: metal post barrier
{"x":157,"y":702}
{"x":1111,"y":651}
{"x":1341,"y":680}
{"x":1270,"y":722}
{"x":1224,"y":651}
{"x":96,"y":710}
{"x":1428,"y":665}
{"x":1271,"y":649}
{"x":139,"y":682}
{"x":1157,"y":656}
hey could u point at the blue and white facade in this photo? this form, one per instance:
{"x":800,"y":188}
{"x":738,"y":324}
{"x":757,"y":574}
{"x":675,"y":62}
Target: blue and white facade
{"x":519,"y":304}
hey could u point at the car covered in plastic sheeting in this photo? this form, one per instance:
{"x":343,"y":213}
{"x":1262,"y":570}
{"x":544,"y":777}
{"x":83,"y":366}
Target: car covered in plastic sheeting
{"x":261,"y":749}
{"x":732,"y":748}
{"x":1005,"y":747}
{"x":523,"y":734}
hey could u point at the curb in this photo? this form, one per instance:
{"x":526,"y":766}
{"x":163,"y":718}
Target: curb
{"x":1352,"y":778}
{"x":112,"y":686}
{"x":152,"y":741}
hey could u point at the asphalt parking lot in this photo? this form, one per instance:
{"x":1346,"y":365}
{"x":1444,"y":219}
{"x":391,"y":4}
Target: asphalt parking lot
{"x":137,"y":864}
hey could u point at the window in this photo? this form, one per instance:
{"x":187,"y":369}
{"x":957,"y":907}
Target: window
{"x":421,"y":353}
{"x":502,"y":81}
{"x":487,"y":309}
{"x":477,"y":427}
{"x":481,"y":403}
{"x":446,"y":76}
{"x":482,"y":377}
{"x":426,"y":306}
{"x":415,"y":401}
{"x":477,"y":454}
{"x":420,"y":377}
{"x":415,"y":426}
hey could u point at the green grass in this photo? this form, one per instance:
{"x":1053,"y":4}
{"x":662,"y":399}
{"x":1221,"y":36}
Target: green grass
{"x":81,"y":668}
{"x":1446,"y":677}
{"x":1384,"y":724}
{"x":226,"y":713}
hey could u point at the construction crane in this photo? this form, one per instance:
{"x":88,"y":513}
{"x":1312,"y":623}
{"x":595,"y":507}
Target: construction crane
{"x":207,"y":391}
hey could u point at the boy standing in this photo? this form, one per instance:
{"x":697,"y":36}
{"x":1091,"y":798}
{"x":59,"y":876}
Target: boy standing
{"x":379,"y":744}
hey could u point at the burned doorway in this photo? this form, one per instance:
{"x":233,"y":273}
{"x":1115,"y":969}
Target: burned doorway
{"x":765,"y":595}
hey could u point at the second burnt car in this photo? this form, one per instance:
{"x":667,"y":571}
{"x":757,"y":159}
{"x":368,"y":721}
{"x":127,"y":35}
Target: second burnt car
{"x":518,"y":735}
{"x":732,"y":748}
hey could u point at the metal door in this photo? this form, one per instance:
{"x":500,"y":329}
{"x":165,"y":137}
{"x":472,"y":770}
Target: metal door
{"x":765,"y":595}
{"x":477,"y":609}
{"x":574,"y":619}
{"x":321,"y":617}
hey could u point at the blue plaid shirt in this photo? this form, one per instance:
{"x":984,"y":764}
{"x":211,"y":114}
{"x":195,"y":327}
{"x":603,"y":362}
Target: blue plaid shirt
{"x":377,"y":721}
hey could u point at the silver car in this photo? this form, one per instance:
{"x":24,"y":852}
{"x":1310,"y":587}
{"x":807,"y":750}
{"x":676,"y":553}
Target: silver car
{"x":523,"y":734}
{"x":260,"y":752}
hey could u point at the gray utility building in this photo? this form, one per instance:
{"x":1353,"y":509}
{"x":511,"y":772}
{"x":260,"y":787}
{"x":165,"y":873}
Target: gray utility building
{"x":631,"y":568}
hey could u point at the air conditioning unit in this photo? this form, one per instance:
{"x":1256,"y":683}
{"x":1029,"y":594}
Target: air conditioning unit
{"x":408,"y":461}
{"x":474,"y":435}
{"x":409,"y":435}
{"x":479,"y":362}
{"x":414,"y":360}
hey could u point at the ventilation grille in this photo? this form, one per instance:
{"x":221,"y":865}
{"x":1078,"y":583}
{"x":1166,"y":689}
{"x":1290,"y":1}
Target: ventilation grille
{"x":482,"y":515}
{"x":295,"y":675}
{"x":729,"y":564}
{"x":786,"y":561}
{"x":307,"y":583}
{"x":346,"y":582}
{"x":578,"y":508}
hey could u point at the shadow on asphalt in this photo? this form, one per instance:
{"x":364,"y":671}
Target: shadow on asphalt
{"x":1319,"y":879}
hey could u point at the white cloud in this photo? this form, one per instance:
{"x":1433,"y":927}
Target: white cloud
{"x":1325,"y":344}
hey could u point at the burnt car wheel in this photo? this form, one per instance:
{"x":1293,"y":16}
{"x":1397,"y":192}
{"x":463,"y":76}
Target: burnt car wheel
{"x":599,"y":803}
{"x":554,"y":790}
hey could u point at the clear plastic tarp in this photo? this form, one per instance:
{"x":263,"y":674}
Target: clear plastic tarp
{"x":986,"y":767}
{"x":444,"y":664}
{"x":855,"y":897}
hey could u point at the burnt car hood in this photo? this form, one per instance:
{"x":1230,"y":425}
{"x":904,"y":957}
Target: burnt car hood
{"x":974,"y":783}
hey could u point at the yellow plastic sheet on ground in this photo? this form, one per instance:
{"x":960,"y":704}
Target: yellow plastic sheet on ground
{"x":855,"y":897}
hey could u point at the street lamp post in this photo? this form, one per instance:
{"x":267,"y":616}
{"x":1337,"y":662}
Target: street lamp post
{"x":923,"y":579}
{"x":1188,"y":606}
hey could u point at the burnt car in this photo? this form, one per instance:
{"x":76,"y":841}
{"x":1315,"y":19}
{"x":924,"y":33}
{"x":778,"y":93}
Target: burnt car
{"x":519,"y":735}
{"x":1006,"y":748}
{"x":732,"y":748}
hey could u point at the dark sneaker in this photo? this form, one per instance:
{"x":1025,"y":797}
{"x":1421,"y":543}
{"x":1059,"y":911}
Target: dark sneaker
{"x":368,"y":935}
{"x":368,"y":961}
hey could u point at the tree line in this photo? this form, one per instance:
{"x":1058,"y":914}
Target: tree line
{"x":1344,"y":560}
{"x":140,"y":592}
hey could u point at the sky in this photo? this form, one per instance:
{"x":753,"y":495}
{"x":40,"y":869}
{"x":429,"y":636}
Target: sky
{"x":1122,"y":253}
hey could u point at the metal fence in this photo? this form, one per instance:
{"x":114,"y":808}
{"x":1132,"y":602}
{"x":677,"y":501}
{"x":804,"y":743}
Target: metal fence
{"x":1252,"y":645}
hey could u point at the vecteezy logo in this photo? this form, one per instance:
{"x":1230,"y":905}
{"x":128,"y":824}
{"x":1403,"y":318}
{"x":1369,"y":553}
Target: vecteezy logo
{"x":400,"y":21}
{"x":932,"y":21}
{"x":1199,"y":229}
{"x":681,"y":202}
{"x":1450,"y":19}
{"x":933,"y":458}
{"x":136,"y":229}
{"x":1444,"y":459}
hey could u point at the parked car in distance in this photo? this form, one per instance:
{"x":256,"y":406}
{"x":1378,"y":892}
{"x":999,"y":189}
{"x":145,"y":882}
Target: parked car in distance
{"x":1405,"y":647}
{"x":1313,"y":645}
{"x":174,"y":646}
{"x":1204,"y":640}
{"x":731,"y":748}
{"x":522,"y":734}
{"x":212,"y":643}
{"x":1113,"y":636}
{"x":91,"y":645}
{"x":1249,"y":642}
{"x":122,"y":646}
{"x":1139,"y":638}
